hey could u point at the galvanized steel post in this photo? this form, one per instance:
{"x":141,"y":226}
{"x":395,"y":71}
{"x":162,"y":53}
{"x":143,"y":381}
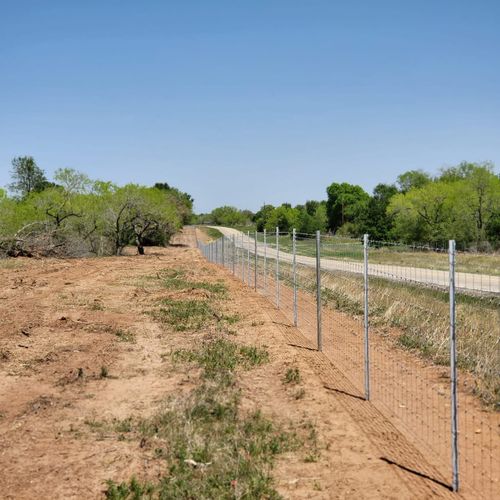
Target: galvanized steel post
{"x":318,"y":291}
{"x":223,"y":258}
{"x":453,"y":369}
{"x":233,"y":253}
{"x":248,"y":258}
{"x":278,"y":267}
{"x":366,"y":318}
{"x":255,"y":261}
{"x":294,"y":271}
{"x":265,"y":261}
{"x":241,"y":259}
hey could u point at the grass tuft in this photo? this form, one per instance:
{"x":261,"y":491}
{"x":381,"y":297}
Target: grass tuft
{"x":292,"y":376}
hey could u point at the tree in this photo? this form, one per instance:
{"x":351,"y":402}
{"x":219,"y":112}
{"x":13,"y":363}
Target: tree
{"x":262,"y":216}
{"x":482,"y":197}
{"x":184,"y":201}
{"x":229,"y":216}
{"x":462,"y":204}
{"x":284,"y":217}
{"x":27,"y":177}
{"x":346,"y":204}
{"x":376,"y":221}
{"x":460,"y":172}
{"x":311,"y":217}
{"x":413,"y":179}
{"x":78,"y":217}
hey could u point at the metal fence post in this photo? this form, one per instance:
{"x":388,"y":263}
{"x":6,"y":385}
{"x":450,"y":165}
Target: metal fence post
{"x":233,"y":253}
{"x":278,"y":267}
{"x":265,"y":262}
{"x":294,"y":271}
{"x":366,"y":318}
{"x":453,"y":369}
{"x":241,"y":259}
{"x":223,"y":257}
{"x":255,"y":257}
{"x":318,"y":291}
{"x":248,"y":258}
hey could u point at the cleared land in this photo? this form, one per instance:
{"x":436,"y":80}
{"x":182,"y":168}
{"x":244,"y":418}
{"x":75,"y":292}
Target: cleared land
{"x":166,"y":369}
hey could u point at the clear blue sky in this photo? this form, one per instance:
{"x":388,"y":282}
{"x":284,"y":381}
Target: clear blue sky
{"x":245,"y":102}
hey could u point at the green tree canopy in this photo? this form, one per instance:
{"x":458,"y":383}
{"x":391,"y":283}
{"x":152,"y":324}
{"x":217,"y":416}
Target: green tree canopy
{"x":345,"y":205}
{"x":413,"y":179}
{"x":27,"y":177}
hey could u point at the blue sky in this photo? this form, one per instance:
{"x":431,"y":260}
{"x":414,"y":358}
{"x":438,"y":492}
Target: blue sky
{"x":246,"y":102}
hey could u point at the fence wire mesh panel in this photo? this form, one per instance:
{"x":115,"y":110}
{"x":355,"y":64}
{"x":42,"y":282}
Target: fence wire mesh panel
{"x":395,"y":320}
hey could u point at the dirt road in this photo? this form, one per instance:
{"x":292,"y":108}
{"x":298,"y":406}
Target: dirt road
{"x":79,"y":347}
{"x":464,"y":281}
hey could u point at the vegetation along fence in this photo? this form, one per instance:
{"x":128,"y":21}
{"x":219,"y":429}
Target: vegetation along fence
{"x":415,"y":330}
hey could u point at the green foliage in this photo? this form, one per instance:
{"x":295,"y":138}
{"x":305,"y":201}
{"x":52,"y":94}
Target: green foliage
{"x":292,"y":376}
{"x":346,"y":204}
{"x":463,"y":204}
{"x":27,"y":176}
{"x":285,"y":217}
{"x":413,"y":179}
{"x":226,"y":216}
{"x":376,"y":221}
{"x":78,"y":216}
{"x":184,"y":315}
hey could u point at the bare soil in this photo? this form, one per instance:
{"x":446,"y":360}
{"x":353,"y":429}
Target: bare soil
{"x":63,"y":325}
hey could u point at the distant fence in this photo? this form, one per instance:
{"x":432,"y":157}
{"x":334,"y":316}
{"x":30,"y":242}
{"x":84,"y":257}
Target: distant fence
{"x":400,"y":323}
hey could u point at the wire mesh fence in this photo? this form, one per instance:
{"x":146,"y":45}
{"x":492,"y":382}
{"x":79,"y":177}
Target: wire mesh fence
{"x":416,"y":330}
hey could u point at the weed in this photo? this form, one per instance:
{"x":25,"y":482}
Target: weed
{"x":230,"y":319}
{"x":185,"y":315}
{"x":133,"y":490}
{"x":95,"y":424}
{"x":96,"y":306}
{"x":123,"y":426}
{"x":104,"y":373}
{"x":292,"y":376}
{"x":221,"y":356}
{"x":299,"y":393}
{"x":212,"y":451}
{"x":125,"y":336}
{"x":175,"y":279}
{"x":317,"y":486}
{"x":254,"y":356}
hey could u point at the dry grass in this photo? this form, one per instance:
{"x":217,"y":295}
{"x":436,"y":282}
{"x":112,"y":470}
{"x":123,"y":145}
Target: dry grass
{"x":395,"y":255}
{"x":422,"y":317}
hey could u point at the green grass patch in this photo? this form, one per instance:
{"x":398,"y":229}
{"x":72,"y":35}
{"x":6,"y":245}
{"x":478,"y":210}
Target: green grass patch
{"x":292,"y":376}
{"x":175,"y":279}
{"x":124,"y":336}
{"x":211,"y":449}
{"x":184,"y":315}
{"x":221,"y":356}
{"x":212,"y":233}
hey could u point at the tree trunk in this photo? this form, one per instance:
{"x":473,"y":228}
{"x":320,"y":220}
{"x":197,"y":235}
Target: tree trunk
{"x":140,"y":246}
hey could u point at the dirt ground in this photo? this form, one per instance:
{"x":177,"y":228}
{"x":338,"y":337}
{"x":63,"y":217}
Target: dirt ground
{"x":64,"y":363}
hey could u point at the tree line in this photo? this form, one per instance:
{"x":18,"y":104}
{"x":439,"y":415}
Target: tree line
{"x":460,"y":202}
{"x":73,"y":215}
